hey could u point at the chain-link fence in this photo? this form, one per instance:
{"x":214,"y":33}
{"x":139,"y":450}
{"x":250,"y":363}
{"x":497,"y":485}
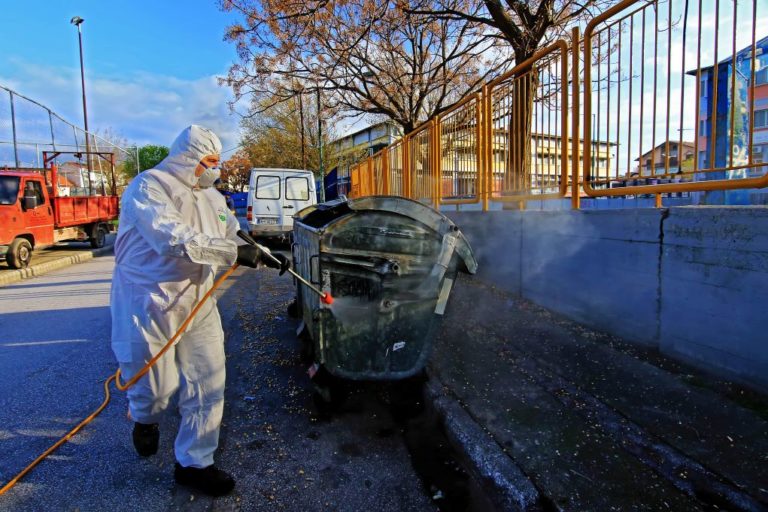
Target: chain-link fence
{"x":28,"y":128}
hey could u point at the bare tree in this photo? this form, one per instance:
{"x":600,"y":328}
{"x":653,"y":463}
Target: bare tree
{"x":369,"y":57}
{"x":526,"y":26}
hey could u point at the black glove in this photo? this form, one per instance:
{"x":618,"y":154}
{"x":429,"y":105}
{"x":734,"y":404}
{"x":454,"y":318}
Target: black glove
{"x":248,"y":255}
{"x":268,"y":260}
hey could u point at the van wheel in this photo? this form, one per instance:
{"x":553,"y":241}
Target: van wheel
{"x":19,"y":254}
{"x":99,"y":237}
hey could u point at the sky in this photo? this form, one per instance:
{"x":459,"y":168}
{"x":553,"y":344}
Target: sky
{"x":151,"y":67}
{"x":639,"y":133}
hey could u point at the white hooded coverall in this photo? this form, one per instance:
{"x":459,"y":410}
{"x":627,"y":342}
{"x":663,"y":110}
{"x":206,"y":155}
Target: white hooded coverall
{"x":170,"y":240}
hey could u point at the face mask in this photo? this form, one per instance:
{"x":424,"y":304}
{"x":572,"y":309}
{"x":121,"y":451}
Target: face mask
{"x":210,"y":175}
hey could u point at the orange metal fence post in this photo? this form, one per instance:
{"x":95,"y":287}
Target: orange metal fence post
{"x":385,"y":171}
{"x":480,"y":149}
{"x":487,"y":152}
{"x":575,"y":146}
{"x":407,"y":167}
{"x":371,"y":178}
{"x":437,"y":175}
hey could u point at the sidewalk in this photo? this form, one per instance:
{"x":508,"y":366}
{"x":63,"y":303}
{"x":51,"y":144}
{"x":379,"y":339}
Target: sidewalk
{"x":553,"y":416}
{"x":8,"y":276}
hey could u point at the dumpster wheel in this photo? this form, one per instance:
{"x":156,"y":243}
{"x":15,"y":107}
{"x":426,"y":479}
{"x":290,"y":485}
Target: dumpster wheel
{"x":307,"y":352}
{"x":329,"y":393}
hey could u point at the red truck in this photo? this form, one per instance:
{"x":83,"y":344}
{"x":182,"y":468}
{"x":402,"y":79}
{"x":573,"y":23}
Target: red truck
{"x":33,"y":215}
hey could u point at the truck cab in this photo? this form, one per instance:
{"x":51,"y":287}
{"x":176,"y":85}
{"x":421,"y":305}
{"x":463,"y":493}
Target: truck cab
{"x":26,"y":216}
{"x":33,"y":214}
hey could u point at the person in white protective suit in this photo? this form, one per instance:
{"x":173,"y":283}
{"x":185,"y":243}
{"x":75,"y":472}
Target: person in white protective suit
{"x":175,"y":230}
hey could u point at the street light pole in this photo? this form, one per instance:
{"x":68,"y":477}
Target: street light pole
{"x":78,"y":21}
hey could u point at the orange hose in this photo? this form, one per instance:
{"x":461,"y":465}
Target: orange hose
{"x":122,"y":387}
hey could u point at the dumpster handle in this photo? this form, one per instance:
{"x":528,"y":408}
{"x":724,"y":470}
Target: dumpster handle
{"x":311,"y":276}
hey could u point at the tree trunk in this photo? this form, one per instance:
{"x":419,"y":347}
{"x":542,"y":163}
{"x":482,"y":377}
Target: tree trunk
{"x":518,"y":175}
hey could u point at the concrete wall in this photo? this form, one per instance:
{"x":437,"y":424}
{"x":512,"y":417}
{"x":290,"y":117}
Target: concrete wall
{"x":714,"y":289}
{"x":691,"y":281}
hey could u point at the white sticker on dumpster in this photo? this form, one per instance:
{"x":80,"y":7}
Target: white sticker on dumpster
{"x":397,"y":346}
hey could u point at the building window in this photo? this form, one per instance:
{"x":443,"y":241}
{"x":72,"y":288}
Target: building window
{"x":761,"y":70}
{"x":761,"y":77}
{"x":703,"y":128}
{"x":761,"y":118}
{"x":702,"y":159}
{"x":759,"y":156}
{"x":703,"y":87}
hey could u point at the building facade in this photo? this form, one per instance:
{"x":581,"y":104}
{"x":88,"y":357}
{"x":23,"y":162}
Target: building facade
{"x":731,"y":136}
{"x":350,"y":149}
{"x":678,"y":156}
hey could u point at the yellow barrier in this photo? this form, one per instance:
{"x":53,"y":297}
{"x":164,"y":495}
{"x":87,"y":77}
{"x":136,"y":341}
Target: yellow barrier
{"x":617,"y":44}
{"x":527,"y":144}
{"x":459,"y":152}
{"x":524,"y":135}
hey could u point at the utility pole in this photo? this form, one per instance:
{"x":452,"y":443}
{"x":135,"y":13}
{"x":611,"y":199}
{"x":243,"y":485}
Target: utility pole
{"x":320,"y":146}
{"x":301,"y":122}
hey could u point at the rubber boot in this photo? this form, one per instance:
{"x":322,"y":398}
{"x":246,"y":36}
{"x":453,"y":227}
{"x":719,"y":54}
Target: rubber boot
{"x":146,"y":438}
{"x":211,"y":480}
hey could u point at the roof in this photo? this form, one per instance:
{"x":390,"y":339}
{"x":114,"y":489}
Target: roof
{"x":685,"y":143}
{"x":365,"y":129}
{"x":63,"y":181}
{"x":744,"y":53}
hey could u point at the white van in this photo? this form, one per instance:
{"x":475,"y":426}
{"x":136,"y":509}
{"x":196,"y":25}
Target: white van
{"x":274,"y":196}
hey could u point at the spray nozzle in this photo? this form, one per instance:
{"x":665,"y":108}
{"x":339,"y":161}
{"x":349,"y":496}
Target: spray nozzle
{"x":325,"y":297}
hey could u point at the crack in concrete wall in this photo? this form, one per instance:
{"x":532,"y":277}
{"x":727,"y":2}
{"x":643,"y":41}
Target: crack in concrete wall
{"x":659,"y":273}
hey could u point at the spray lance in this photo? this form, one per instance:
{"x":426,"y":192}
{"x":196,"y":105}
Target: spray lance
{"x":325,"y":297}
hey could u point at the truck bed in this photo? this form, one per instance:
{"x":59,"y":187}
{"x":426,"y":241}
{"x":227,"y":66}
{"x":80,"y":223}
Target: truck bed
{"x":74,"y":211}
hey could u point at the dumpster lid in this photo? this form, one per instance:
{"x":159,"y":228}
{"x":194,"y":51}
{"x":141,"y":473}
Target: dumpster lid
{"x":320,"y":215}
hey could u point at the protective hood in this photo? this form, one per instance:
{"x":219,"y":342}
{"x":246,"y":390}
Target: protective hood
{"x":187,"y":150}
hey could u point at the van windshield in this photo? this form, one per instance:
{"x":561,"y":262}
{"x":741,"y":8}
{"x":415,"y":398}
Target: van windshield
{"x":9,"y":189}
{"x":297,"y":188}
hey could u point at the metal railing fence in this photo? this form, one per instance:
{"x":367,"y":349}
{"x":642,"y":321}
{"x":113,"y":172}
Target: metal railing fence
{"x":28,"y":129}
{"x":658,"y":98}
{"x":703,"y":61}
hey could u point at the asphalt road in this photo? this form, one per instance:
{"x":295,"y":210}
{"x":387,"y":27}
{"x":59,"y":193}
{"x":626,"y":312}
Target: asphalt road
{"x":55,"y":354}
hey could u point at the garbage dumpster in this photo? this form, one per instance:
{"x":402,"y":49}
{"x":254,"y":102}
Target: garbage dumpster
{"x":389,"y":264}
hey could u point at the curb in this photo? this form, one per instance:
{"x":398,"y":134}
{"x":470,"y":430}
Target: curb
{"x":500,"y":479}
{"x":14,"y":276}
